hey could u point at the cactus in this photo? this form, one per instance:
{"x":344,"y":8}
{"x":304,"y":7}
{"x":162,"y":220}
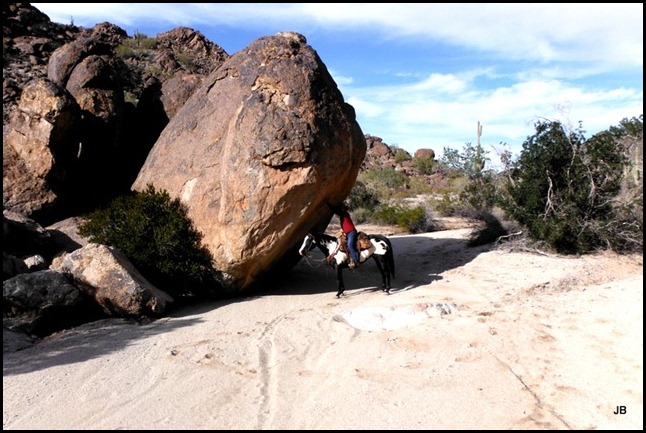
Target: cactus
{"x":479,"y":161}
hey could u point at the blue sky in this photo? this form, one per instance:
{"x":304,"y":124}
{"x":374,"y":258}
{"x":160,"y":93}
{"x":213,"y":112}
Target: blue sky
{"x":424,"y":75}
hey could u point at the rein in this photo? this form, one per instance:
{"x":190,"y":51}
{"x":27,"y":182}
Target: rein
{"x":315,"y":263}
{"x":309,"y":261}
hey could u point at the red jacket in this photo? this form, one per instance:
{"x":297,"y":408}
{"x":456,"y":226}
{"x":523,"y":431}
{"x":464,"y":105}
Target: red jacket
{"x":346,"y":222}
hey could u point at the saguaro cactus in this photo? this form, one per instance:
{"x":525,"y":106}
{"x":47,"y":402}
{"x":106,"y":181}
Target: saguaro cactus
{"x":479,"y":160}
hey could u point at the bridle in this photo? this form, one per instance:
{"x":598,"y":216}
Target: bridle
{"x":310,"y":245}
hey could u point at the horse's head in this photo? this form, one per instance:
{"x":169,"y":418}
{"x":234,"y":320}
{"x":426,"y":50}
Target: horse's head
{"x":307,"y":245}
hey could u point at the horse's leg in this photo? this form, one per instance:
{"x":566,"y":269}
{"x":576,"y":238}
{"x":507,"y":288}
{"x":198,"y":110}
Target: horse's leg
{"x":383,"y":273}
{"x":339,"y":281}
{"x":387,"y":272}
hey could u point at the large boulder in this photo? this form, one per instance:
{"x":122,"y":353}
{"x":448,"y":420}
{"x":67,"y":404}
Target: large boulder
{"x":174,"y":45}
{"x":425,"y":153}
{"x":256,"y":154}
{"x":39,"y":149}
{"x":107,"y":275}
{"x":31,"y":300}
{"x":101,"y":40}
{"x":24,"y":238}
{"x":89,"y":69}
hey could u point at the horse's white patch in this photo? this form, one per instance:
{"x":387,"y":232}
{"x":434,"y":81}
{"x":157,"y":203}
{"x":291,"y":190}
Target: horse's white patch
{"x":396,"y":317}
{"x":304,"y":246}
{"x":365,"y":254}
{"x":340,"y":257}
{"x":380,"y":247}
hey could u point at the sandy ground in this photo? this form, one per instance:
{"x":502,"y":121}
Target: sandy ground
{"x":470,"y":338}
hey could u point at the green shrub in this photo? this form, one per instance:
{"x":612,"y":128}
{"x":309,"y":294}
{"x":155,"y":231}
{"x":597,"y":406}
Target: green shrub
{"x":388,"y":177}
{"x":424,"y":164}
{"x":361,"y":215}
{"x":125,"y":52}
{"x":401,"y":156}
{"x":480,"y":192}
{"x":361,"y":196}
{"x":418,"y":185}
{"x":562,"y":188}
{"x":490,"y":231}
{"x":183,"y":58}
{"x":155,"y":233}
{"x":447,"y":206}
{"x":384,"y":182}
{"x":471,"y":160}
{"x":414,"y":220}
{"x":147,"y":43}
{"x":141,"y":41}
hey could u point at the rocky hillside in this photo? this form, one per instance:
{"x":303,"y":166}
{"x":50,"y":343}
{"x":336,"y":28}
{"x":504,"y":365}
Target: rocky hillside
{"x":256,"y":146}
{"x":30,"y":38}
{"x":175,"y":61}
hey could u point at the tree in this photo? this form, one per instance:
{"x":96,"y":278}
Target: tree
{"x":562,"y":188}
{"x":471,"y":160}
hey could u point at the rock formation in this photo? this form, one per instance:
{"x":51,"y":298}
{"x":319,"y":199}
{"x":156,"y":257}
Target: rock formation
{"x":257,"y":152}
{"x":74,"y":135}
{"x":40,"y":148}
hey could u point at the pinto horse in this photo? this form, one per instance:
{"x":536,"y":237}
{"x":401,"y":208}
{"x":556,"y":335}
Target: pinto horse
{"x":380,"y":250}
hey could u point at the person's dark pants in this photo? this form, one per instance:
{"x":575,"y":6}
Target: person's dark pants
{"x":352,"y":246}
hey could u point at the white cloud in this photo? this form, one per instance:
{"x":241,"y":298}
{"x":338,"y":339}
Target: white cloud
{"x":534,"y":31}
{"x":510,"y":64}
{"x":417,"y":116}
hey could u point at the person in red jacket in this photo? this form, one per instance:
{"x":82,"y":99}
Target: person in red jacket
{"x":345,"y":220}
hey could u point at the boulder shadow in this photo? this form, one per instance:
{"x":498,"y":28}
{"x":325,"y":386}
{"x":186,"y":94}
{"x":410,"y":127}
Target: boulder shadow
{"x":419,"y":261}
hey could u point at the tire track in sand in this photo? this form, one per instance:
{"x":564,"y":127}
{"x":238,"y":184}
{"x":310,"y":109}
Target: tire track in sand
{"x":268,"y":355}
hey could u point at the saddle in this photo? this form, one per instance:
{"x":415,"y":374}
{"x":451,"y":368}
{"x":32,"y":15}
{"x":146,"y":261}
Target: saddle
{"x":363,"y":242}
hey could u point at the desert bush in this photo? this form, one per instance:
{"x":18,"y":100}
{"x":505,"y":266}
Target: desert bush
{"x":447,"y":205}
{"x":477,"y":188}
{"x":385,"y":177}
{"x":362,"y":215}
{"x":414,"y":220}
{"x":424,"y":164}
{"x":490,"y":231}
{"x":362,"y":196}
{"x":418,"y":185}
{"x":183,"y":58}
{"x":384,"y":182}
{"x":141,"y":41}
{"x":480,"y":193}
{"x":155,"y":233}
{"x":562,"y":188}
{"x":470,"y":161}
{"x":401,"y":156}
{"x":125,"y":52}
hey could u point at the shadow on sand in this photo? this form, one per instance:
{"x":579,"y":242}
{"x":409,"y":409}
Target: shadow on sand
{"x":419,"y":261}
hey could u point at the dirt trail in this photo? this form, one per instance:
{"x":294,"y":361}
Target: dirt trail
{"x":468,"y":339}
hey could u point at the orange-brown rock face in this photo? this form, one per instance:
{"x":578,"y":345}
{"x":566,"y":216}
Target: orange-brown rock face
{"x":257,"y":152}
